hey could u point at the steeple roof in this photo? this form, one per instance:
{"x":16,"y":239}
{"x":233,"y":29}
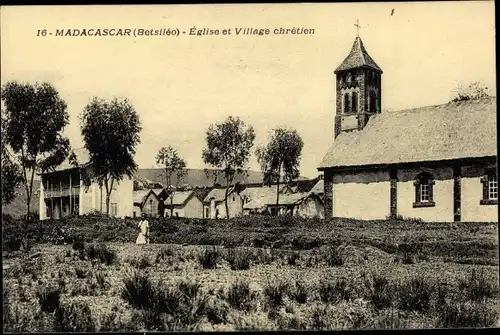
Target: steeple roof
{"x":358,"y":57}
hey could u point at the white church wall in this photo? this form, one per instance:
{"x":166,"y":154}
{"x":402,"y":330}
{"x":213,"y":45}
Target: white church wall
{"x":361,"y":195}
{"x":442,"y":195}
{"x":472,"y":193}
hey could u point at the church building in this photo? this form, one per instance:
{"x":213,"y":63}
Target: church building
{"x":436,"y":163}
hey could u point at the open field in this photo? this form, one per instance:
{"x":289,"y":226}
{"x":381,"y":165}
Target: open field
{"x":272,"y":274}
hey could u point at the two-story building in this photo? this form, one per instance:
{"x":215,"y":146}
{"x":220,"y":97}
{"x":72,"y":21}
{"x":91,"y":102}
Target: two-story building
{"x":63,"y":192}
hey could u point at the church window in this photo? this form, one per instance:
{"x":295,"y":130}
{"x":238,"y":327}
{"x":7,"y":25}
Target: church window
{"x":490,"y":188}
{"x":349,"y":77}
{"x":354,"y":102}
{"x":373,"y":102}
{"x":424,"y":185}
{"x":347,"y":107}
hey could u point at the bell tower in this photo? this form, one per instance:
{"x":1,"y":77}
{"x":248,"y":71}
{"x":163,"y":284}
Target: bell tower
{"x":359,"y":83}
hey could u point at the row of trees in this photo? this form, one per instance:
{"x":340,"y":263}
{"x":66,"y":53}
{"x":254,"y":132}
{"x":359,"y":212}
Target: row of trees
{"x":34,"y":117}
{"x":33,"y":120}
{"x":228,"y":149}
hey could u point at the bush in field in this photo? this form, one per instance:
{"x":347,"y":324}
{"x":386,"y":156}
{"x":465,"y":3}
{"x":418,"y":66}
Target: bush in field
{"x":102,"y":253}
{"x":378,"y":289}
{"x":217,"y":310}
{"x":333,"y":257}
{"x":466,"y":314}
{"x":209,"y":258}
{"x":238,"y":259}
{"x":241,"y":296}
{"x":141,"y":263}
{"x":390,"y":319}
{"x":293,"y":258}
{"x":275,"y":292}
{"x":49,"y":298}
{"x":74,"y":317}
{"x":139,"y":291}
{"x":415,"y":294}
{"x":80,"y":272}
{"x":79,"y":247}
{"x":300,"y":293}
{"x":333,"y":290}
{"x":165,"y":253}
{"x":477,"y":286}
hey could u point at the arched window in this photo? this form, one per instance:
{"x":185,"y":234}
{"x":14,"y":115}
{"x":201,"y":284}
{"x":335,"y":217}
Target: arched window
{"x":349,"y":77}
{"x":424,"y":187}
{"x":347,"y":107}
{"x":373,"y":102}
{"x":354,"y":102}
{"x":490,"y":188}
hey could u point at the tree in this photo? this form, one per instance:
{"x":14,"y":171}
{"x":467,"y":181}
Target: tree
{"x":227,"y":148}
{"x":110,"y":132}
{"x":35,"y":117}
{"x":11,"y":173}
{"x":173,"y":163}
{"x":280,"y":156}
{"x":474,"y":91}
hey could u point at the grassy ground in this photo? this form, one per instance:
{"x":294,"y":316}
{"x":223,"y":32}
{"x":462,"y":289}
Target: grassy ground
{"x":122,"y":286}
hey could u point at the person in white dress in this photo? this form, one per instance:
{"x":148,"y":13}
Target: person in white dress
{"x":143,"y":237}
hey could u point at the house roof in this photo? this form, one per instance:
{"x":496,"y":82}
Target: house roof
{"x":318,"y":188}
{"x":178,"y":198}
{"x":270,"y":200}
{"x":158,"y":191}
{"x":218,"y":194}
{"x":455,"y":130}
{"x":358,"y":57}
{"x":140,"y":196}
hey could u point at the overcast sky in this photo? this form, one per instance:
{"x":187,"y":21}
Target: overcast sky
{"x":180,"y":85}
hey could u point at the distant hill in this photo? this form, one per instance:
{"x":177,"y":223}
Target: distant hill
{"x":200,"y":177}
{"x":18,"y":207}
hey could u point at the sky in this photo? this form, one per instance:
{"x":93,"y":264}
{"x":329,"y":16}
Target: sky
{"x":179,"y":85}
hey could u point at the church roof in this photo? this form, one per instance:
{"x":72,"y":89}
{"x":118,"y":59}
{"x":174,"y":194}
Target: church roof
{"x":358,"y":57}
{"x":456,"y":130}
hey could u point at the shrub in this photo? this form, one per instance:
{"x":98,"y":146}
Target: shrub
{"x":166,"y":253}
{"x":209,"y":258}
{"x":293,"y":258}
{"x":378,"y":290}
{"x":415,"y":294}
{"x":102,"y":253}
{"x":477,"y":286}
{"x":238,"y":259}
{"x":301,"y":292}
{"x":79,"y":247}
{"x":240,"y":296}
{"x":141,"y":262}
{"x":80,"y":272}
{"x":49,"y":298}
{"x":390,"y":319}
{"x":217,"y":311}
{"x":139,"y":291}
{"x":466,"y":314}
{"x":333,"y":257}
{"x":332,"y":291}
{"x":101,"y":280}
{"x":74,"y":317}
{"x":275,"y":292}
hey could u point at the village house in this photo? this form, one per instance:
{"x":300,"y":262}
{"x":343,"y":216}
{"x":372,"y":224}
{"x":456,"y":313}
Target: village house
{"x":436,"y":163}
{"x":184,"y":204}
{"x":214,"y":206}
{"x":262,"y":200}
{"x":62,"y":191}
{"x":256,"y":198}
{"x":145,"y":202}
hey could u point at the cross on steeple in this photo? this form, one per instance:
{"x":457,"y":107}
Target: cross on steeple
{"x":357,"y":26}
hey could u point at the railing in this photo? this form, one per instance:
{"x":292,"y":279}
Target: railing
{"x":61,"y":192}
